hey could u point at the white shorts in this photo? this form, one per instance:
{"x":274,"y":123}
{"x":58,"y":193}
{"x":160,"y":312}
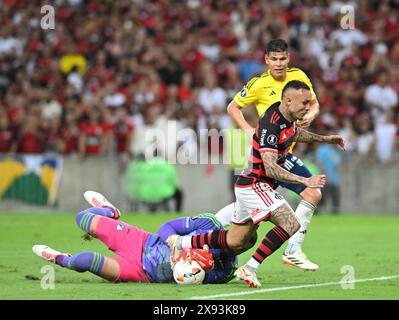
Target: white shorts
{"x":256,"y":202}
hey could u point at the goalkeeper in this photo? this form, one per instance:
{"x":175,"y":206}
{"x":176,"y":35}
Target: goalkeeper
{"x":142,"y":256}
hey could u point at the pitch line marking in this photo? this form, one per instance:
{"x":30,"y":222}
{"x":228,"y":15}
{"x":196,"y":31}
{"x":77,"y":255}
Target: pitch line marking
{"x":256,"y":291}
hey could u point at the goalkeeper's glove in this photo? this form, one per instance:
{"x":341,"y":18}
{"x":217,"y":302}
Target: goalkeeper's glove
{"x":202,"y":256}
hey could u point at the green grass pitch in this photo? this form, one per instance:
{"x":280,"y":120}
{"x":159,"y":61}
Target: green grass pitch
{"x":368,"y":244}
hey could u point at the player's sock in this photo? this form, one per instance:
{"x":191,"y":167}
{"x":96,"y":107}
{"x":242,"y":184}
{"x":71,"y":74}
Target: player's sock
{"x":304,"y":213}
{"x":84,"y":218}
{"x":81,"y":262}
{"x":272,"y":241}
{"x":253,"y":263}
{"x":214,"y":239}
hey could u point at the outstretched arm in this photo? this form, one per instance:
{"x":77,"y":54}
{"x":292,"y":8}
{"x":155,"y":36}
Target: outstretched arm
{"x":308,"y":137}
{"x":183,"y":226}
{"x":176,"y":226}
{"x":274,"y":171}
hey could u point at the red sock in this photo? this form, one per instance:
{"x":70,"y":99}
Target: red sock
{"x":272,"y":241}
{"x":214,"y":239}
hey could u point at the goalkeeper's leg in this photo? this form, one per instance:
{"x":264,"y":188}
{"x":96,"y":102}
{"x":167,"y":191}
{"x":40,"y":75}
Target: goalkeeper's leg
{"x":105,"y":267}
{"x":125,"y":240}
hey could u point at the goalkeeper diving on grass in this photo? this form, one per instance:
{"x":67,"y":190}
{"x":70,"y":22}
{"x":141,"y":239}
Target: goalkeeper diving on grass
{"x":142,"y":256}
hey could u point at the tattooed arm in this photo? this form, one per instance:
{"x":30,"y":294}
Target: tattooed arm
{"x":306,"y":136}
{"x":274,"y":171}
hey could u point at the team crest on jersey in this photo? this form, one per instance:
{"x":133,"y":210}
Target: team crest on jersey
{"x":272,"y":139}
{"x":283,"y":126}
{"x":243,"y":93}
{"x":120,"y":227}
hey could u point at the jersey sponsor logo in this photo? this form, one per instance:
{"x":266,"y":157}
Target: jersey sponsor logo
{"x":272,"y":139}
{"x":243,"y":93}
{"x":262,"y":136}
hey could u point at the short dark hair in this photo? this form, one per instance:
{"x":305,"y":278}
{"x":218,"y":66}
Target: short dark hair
{"x":277,"y":45}
{"x":294,"y":84}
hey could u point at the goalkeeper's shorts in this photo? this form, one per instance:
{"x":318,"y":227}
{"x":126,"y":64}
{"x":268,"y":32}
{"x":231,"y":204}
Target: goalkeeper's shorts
{"x":127,"y":242}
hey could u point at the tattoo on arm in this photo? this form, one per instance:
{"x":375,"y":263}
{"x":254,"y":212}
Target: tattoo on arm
{"x":306,"y":136}
{"x":273,"y":170}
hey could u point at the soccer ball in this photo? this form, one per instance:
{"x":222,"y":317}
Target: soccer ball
{"x":186,"y":272}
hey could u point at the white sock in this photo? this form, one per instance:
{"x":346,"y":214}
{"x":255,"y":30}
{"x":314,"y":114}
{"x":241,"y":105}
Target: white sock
{"x":304,"y":213}
{"x":253,"y":263}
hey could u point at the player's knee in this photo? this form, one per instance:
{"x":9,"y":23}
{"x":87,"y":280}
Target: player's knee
{"x":83,"y":220}
{"x":312,"y":195}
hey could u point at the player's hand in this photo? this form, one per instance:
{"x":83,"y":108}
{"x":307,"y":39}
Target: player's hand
{"x":316,"y":181}
{"x":336,"y":139}
{"x":306,"y":121}
{"x":175,"y":252}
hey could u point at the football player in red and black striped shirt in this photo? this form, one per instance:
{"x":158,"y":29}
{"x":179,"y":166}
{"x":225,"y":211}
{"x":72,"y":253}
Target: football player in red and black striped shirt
{"x":256,"y":198}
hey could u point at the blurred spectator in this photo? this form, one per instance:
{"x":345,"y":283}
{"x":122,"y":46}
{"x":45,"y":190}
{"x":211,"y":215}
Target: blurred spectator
{"x":51,"y":128}
{"x":213,"y":100}
{"x":6,"y":134}
{"x":329,"y":160}
{"x":380,"y":98}
{"x":365,"y":142}
{"x":145,"y":140}
{"x":122,"y":130}
{"x":69,"y":134}
{"x":93,"y":139}
{"x":385,"y":138}
{"x":75,"y":80}
{"x":379,"y":60}
{"x":348,"y":133}
{"x":31,"y":139}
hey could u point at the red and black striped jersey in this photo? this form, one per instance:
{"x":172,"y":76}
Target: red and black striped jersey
{"x":274,"y":134}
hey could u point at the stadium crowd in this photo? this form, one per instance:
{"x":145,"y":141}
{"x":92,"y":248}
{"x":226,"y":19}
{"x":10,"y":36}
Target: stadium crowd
{"x":110,"y":70}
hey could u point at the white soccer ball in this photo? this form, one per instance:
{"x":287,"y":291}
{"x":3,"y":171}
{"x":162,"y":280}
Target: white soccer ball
{"x":185,"y":272}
